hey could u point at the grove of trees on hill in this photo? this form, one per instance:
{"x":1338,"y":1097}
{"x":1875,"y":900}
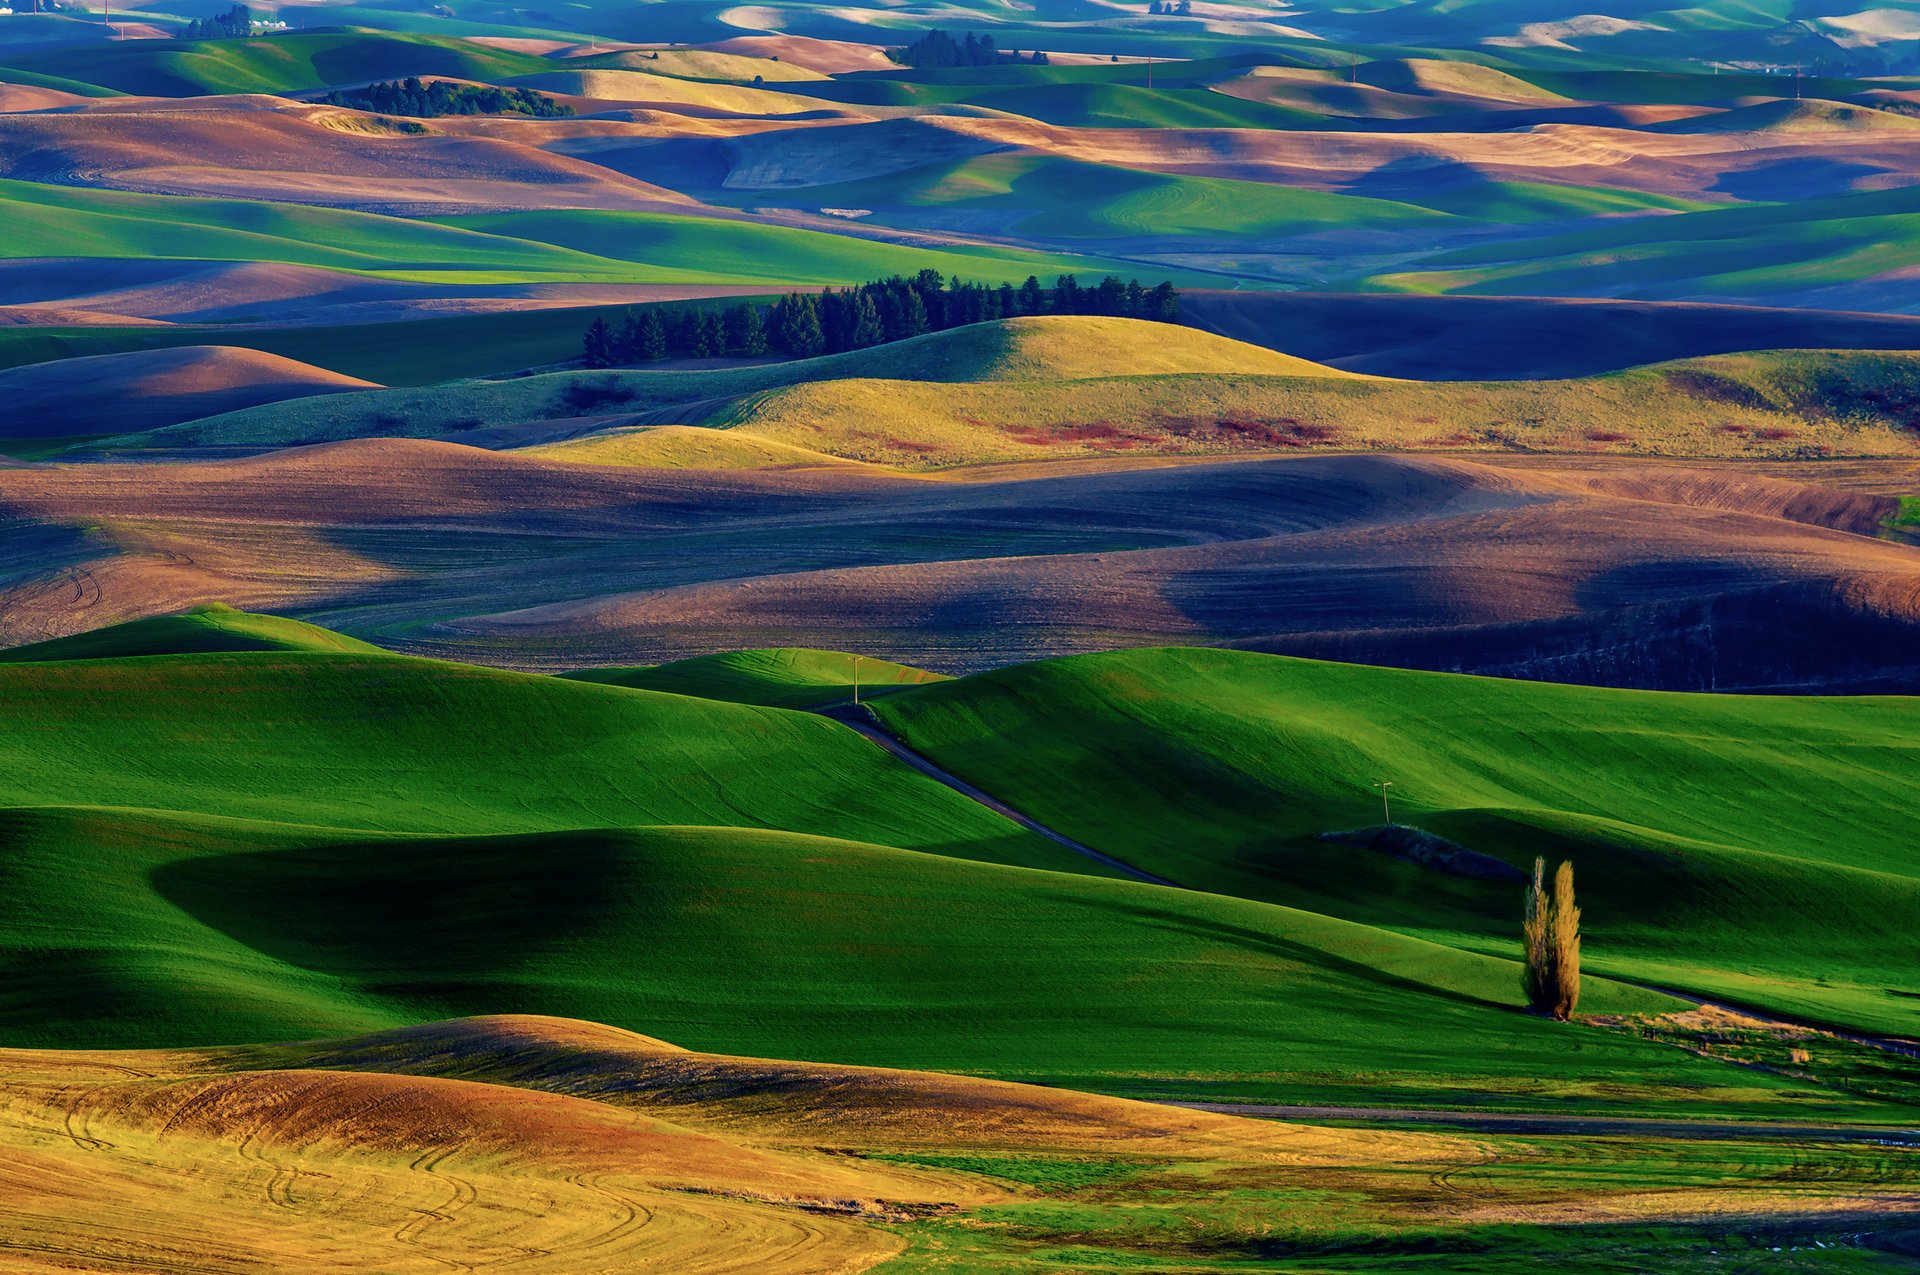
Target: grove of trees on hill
{"x":425,"y":101}
{"x":937,"y":49}
{"x":236,"y":23}
{"x":805,"y":324}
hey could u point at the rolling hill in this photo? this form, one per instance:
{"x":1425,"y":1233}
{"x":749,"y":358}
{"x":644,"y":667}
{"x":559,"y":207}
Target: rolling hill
{"x":203,"y":630}
{"x":151,"y":389}
{"x":1652,"y":795}
{"x":775,"y":678}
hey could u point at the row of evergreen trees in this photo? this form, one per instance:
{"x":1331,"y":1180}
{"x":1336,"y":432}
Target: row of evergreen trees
{"x":236,"y":23}
{"x":426,"y":101}
{"x":806,"y":324}
{"x":937,"y":49}
{"x":691,"y":334}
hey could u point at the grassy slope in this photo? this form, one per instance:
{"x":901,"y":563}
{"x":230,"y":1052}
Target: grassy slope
{"x":779,"y":678}
{"x":55,"y":221}
{"x":1784,"y":404}
{"x":248,"y":846}
{"x":735,"y":251}
{"x":1745,"y":251}
{"x":414,"y":746}
{"x":941,"y":403}
{"x":203,"y":630}
{"x":1700,"y":864}
{"x":1046,"y":349}
{"x":564,"y":245}
{"x":1066,"y":200}
{"x":192,"y":929}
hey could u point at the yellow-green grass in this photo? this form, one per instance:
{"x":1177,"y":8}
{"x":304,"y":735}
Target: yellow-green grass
{"x":684,"y":447}
{"x":671,"y":90}
{"x":1792,"y":404}
{"x":204,"y":629}
{"x":783,"y":677}
{"x":1702,"y":864}
{"x":1047,"y":349}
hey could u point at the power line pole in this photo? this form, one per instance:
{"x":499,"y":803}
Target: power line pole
{"x":856,"y":679}
{"x":1386,"y":807}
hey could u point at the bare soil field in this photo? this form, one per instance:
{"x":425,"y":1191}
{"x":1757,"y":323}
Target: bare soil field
{"x":1612,"y":571}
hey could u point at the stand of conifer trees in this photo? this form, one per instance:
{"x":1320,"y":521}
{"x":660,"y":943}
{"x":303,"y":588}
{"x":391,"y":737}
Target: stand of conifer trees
{"x":805,"y":324}
{"x":235,"y":24}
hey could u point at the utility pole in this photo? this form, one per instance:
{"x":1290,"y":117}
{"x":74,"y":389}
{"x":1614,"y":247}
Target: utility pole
{"x":856,"y":679}
{"x":1386,"y":808}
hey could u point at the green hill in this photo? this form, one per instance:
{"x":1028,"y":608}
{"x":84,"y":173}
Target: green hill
{"x":778,"y":678}
{"x":566,"y":245}
{"x":276,"y":845}
{"x":1060,"y":199}
{"x":1701,"y":864}
{"x":203,"y":630}
{"x":1757,"y":251}
{"x":286,"y":63}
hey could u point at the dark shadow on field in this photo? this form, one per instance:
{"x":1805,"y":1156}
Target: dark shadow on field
{"x":404,"y":915}
{"x":1303,"y":954}
{"x":1798,"y":178}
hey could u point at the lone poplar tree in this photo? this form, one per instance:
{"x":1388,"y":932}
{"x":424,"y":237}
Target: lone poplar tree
{"x":1536,"y":977}
{"x":1551,"y":936}
{"x":1563,"y":935}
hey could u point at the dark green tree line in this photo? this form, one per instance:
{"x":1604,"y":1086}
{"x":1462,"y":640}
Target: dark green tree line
{"x":805,"y":324}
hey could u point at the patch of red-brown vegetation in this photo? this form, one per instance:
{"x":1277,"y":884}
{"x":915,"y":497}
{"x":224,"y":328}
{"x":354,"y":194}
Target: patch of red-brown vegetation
{"x":1283,"y":432}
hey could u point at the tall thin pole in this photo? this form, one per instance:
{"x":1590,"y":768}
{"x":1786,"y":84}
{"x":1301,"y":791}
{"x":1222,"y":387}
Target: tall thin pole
{"x":856,"y":679}
{"x":1386,"y":807}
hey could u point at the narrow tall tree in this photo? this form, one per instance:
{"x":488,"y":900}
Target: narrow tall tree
{"x":1163,"y":304}
{"x":651,"y":345}
{"x":598,"y":346}
{"x":1033,"y":298}
{"x":746,"y":333}
{"x":1563,"y":936}
{"x":797,"y":327}
{"x":863,"y":328}
{"x":1536,"y":976}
